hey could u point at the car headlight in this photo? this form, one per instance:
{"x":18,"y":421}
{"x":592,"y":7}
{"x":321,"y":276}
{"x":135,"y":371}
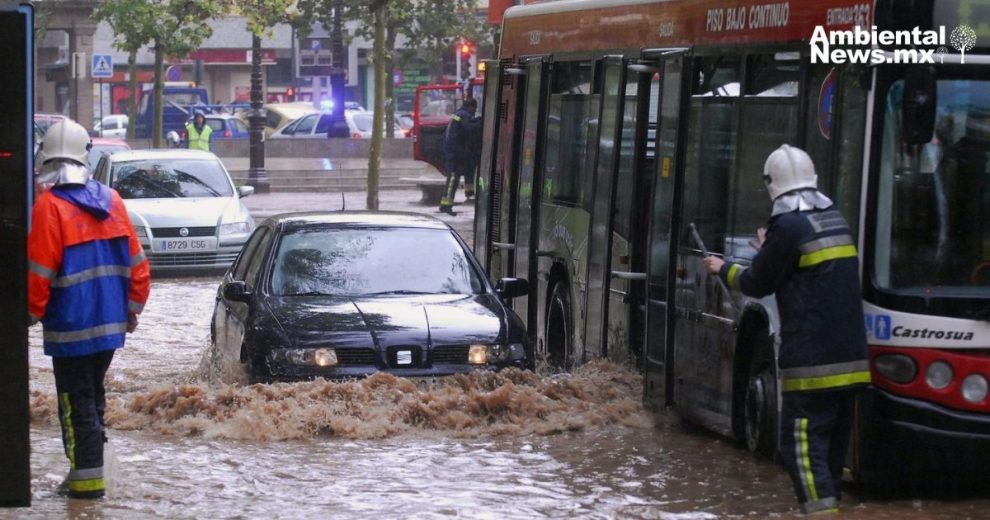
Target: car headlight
{"x":321,"y":357}
{"x":141,"y":231}
{"x":974,"y":388}
{"x":896,"y":367}
{"x":478,"y":355}
{"x":234,"y":228}
{"x":938,"y":375}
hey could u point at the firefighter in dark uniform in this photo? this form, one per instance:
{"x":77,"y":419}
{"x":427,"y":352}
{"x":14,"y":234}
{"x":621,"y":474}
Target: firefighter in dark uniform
{"x":807,"y":259}
{"x":459,"y":152}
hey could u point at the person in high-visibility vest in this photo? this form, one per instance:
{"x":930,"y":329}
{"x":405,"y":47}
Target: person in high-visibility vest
{"x":198,"y":133}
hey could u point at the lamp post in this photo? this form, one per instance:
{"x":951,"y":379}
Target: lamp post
{"x":257,"y":176}
{"x":338,"y":127}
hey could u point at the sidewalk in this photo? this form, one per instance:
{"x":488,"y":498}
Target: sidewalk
{"x":263,"y":206}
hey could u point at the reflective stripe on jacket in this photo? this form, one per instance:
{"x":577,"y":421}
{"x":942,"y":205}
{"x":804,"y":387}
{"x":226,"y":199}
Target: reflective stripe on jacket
{"x":809,"y":262}
{"x":197,"y":140}
{"x":84,"y":274}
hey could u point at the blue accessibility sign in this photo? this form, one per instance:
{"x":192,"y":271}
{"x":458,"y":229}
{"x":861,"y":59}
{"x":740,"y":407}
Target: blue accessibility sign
{"x":102,"y":66}
{"x":878,"y":326}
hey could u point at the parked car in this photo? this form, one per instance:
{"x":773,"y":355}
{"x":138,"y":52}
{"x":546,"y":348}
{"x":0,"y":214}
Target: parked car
{"x":183,"y":205}
{"x":360,"y":124}
{"x":43,"y":121}
{"x":277,"y":115}
{"x":105,"y":145}
{"x":111,"y":126}
{"x":335,"y":295}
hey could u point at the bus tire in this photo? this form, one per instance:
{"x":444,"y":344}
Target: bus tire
{"x":760,"y":412}
{"x":559,"y":328}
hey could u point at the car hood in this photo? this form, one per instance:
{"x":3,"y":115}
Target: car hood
{"x":385,"y":321}
{"x":189,"y":212}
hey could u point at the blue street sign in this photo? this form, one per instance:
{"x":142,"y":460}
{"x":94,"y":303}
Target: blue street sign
{"x":102,"y":66}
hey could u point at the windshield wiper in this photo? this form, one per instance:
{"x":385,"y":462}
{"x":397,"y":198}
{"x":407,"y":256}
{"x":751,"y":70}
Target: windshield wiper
{"x":308,"y":293}
{"x":400,"y":291}
{"x":197,"y":180}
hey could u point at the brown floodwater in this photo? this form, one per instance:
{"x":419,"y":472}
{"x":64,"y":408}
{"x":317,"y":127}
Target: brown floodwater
{"x":188,"y":439}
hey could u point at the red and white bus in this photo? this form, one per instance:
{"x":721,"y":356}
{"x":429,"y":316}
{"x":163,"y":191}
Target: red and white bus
{"x":610,"y":127}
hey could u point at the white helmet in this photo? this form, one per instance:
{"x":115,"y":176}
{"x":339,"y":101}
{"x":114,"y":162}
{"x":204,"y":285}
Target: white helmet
{"x":67,"y":140}
{"x":172,"y":138}
{"x":788,"y":169}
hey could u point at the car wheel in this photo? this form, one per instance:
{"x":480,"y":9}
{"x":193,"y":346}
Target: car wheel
{"x":558,"y":331}
{"x":761,"y":412}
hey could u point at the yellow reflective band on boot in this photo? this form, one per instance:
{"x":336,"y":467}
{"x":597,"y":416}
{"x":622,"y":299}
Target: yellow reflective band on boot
{"x":70,"y":433}
{"x":819,"y":383}
{"x":81,"y":486}
{"x":824,"y":255}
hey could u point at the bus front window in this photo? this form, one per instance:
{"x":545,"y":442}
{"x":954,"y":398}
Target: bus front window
{"x":933,"y":213}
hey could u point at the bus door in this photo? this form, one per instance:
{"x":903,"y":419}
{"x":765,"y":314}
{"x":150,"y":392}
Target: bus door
{"x":600,"y":230}
{"x":529,"y":183}
{"x":483,"y":193}
{"x":504,"y":174}
{"x":669,"y":159}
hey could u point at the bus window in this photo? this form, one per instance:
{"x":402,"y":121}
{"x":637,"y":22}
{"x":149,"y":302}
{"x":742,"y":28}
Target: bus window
{"x":572,"y":121}
{"x":773,"y":75}
{"x":716,"y":76}
{"x":852,"y":126}
{"x":933,"y":199}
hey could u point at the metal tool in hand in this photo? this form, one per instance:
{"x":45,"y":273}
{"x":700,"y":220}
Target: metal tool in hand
{"x":693,"y":230}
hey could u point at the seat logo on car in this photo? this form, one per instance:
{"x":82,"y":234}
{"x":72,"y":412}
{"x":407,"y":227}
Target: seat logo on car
{"x":183,"y":232}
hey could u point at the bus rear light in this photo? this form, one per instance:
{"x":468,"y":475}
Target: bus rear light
{"x":974,"y":388}
{"x":896,"y":367}
{"x":939,"y":375}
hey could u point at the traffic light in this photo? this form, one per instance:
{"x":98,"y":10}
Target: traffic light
{"x":467,"y":53}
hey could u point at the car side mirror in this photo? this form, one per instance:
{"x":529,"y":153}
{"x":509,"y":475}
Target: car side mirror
{"x":244,"y":191}
{"x":236,"y":291}
{"x":512,"y":287}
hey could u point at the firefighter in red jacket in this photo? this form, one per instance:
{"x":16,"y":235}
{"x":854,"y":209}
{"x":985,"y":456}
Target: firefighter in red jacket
{"x":88,"y":280}
{"x":807,"y":259}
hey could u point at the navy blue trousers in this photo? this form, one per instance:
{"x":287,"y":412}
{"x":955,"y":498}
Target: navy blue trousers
{"x":814,"y":438}
{"x":81,"y":404}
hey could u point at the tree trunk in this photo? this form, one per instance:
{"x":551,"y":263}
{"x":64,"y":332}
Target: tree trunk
{"x":377,"y":127}
{"x":132,"y":90}
{"x":390,"y":82}
{"x":156,"y":122}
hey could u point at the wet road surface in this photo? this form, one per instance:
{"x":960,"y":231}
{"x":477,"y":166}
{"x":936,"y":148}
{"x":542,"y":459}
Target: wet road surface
{"x":190,"y":441}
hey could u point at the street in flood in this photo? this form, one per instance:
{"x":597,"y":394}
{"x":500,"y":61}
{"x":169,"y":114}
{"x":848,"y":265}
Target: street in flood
{"x":188,"y":439}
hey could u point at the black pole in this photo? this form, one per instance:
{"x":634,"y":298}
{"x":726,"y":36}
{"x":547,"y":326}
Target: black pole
{"x":257,"y":176}
{"x":338,"y":127}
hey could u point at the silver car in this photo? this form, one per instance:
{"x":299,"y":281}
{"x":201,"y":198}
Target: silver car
{"x":184,"y":207}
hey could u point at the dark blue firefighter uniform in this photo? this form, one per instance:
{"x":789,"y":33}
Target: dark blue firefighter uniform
{"x":460,"y":156}
{"x":809,"y":262}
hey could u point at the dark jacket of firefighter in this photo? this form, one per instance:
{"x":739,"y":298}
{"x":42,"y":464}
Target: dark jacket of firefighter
{"x":809,"y":261}
{"x":458,"y":142}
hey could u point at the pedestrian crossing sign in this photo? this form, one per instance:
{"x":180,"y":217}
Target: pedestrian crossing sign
{"x":102,"y":66}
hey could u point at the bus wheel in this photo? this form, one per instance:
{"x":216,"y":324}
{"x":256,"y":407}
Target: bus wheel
{"x":558,"y":331}
{"x":761,"y":412}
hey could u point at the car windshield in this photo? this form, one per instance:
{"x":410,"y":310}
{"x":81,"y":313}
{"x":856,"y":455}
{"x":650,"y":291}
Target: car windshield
{"x":165,"y":178}
{"x":372,"y":261}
